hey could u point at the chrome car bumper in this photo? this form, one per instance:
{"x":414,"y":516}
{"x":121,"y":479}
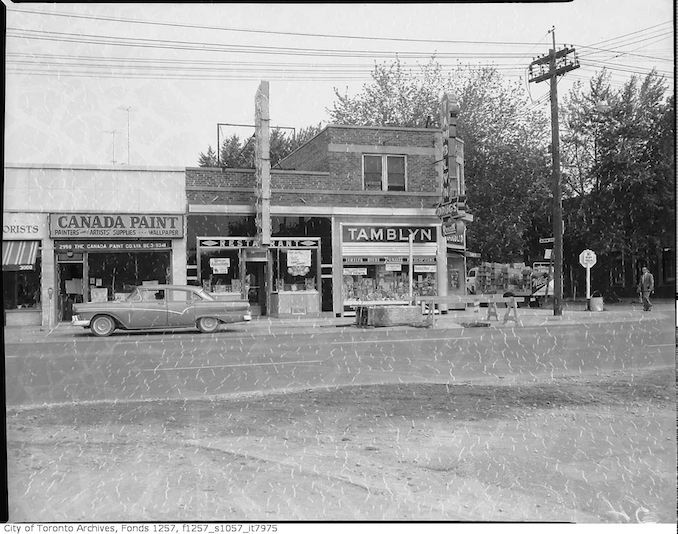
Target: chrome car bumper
{"x":76,"y":321}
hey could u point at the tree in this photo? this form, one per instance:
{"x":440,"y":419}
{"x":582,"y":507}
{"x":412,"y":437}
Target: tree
{"x":396,"y":96}
{"x":506,"y":164}
{"x":239,"y":154}
{"x":209,"y":159}
{"x":620,"y":143}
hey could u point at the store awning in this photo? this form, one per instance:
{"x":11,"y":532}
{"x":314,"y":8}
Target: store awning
{"x":19,"y":255}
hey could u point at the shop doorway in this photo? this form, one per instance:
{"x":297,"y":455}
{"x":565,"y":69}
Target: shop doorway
{"x":71,"y":288}
{"x":255,"y":286}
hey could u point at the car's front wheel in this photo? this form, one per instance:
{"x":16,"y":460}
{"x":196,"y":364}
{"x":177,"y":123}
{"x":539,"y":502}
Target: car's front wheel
{"x":208,"y":325}
{"x":102,"y":326}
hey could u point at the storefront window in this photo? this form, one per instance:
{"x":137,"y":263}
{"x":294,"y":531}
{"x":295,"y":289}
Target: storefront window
{"x":386,"y":282}
{"x":220,"y":270}
{"x":112,"y":276}
{"x":295,"y":269}
{"x":306,"y":227}
{"x":21,"y":289}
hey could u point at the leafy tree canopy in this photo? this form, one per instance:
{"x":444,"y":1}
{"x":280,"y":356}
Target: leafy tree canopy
{"x":239,"y":153}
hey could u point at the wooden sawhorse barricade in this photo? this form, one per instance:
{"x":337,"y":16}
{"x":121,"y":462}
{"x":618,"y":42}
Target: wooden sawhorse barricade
{"x":491,"y":301}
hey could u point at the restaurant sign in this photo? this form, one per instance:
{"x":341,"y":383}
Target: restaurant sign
{"x":249,"y":242}
{"x":123,"y":226}
{"x":352,"y":233}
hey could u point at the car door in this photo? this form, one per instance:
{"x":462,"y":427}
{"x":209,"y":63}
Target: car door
{"x":180,"y":307}
{"x":148,"y":309}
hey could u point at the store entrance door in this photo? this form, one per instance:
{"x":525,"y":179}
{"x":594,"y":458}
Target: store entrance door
{"x":255,"y":286}
{"x":71,"y":288}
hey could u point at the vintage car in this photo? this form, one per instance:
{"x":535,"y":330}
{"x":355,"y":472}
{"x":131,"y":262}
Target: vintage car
{"x":160,"y":307}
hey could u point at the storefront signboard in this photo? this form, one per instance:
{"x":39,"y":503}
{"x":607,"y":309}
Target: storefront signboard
{"x":425,"y":268}
{"x":28,"y":226}
{"x":456,"y":241}
{"x":246,"y":242}
{"x":353,"y":233}
{"x":132,"y":226}
{"x":372,"y":260}
{"x":111,"y":246}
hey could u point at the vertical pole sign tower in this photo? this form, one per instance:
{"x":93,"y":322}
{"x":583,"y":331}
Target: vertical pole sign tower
{"x":262,"y":165}
{"x":451,"y":209}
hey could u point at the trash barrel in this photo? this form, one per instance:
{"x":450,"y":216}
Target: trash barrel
{"x":597,"y":304}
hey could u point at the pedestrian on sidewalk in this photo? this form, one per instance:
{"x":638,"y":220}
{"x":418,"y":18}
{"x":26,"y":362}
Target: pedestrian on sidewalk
{"x":645,"y":288}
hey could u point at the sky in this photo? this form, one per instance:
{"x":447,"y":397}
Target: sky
{"x":85,"y":82}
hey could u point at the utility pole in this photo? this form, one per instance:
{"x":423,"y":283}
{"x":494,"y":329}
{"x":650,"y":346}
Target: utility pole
{"x":128,"y":109}
{"x":558,"y":64}
{"x":112,"y":132}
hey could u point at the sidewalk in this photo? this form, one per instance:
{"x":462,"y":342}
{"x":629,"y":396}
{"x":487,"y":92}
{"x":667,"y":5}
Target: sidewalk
{"x":574,"y":313}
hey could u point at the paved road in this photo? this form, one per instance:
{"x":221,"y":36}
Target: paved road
{"x":186,"y":365}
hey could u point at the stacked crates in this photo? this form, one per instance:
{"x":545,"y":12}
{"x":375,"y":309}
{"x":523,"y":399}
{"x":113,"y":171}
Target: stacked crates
{"x":502,"y":277}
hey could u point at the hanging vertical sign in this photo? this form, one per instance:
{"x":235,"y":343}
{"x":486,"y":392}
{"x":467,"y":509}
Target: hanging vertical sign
{"x":449,"y":110}
{"x":262,"y":164}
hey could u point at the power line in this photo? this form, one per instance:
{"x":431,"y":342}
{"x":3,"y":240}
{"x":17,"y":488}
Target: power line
{"x":250,"y":49}
{"x":632,"y":33}
{"x":267,"y":32}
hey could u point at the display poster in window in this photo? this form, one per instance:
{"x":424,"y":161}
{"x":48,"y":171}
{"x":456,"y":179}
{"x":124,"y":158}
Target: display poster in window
{"x":74,"y":286}
{"x":298,"y":262}
{"x":98,"y":294}
{"x":355,"y":271}
{"x":394,"y":267}
{"x":425,"y":268}
{"x":220,"y":265}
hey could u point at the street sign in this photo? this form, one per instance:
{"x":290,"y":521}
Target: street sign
{"x":587,"y":258}
{"x":543,"y":240}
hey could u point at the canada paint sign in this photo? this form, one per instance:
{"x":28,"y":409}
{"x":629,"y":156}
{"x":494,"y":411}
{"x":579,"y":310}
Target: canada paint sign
{"x":115,"y":226}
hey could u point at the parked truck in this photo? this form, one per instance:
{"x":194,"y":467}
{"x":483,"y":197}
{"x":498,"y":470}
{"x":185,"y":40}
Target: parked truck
{"x":533,"y":284}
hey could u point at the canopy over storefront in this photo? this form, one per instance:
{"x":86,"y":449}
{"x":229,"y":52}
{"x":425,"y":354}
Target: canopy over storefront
{"x":19,"y":255}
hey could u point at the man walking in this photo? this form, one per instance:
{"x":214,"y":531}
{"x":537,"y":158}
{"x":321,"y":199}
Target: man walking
{"x":646,"y":287}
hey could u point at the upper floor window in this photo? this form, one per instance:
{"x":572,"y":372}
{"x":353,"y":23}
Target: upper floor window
{"x":384,"y":173}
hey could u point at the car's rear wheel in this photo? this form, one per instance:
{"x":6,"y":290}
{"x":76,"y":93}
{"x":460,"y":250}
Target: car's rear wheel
{"x":208,"y":325}
{"x":102,"y":326}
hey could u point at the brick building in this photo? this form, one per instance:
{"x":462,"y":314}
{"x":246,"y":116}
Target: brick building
{"x":342,"y":209}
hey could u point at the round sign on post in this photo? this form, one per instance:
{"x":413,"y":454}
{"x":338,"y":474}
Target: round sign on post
{"x":587,"y":258}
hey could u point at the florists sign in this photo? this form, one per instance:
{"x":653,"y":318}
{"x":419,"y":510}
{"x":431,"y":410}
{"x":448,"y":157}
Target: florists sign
{"x":80,"y":225}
